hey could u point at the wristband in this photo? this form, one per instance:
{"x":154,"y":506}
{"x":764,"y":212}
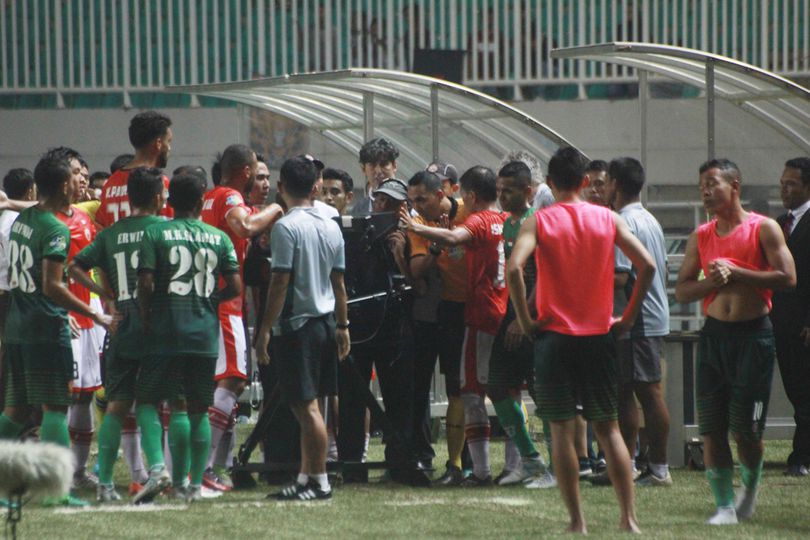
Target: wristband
{"x":342,"y":326}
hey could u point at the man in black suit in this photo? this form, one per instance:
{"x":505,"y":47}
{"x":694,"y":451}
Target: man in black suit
{"x":791,"y":310}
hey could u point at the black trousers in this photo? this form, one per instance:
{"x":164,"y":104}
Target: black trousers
{"x":794,"y":365}
{"x":426,"y":351}
{"x":282,"y":440}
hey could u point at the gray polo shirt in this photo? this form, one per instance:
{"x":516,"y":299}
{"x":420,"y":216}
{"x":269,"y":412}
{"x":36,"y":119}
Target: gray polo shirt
{"x":309,"y":246}
{"x":653,"y":320}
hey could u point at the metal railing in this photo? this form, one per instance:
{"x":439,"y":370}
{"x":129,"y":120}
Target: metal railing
{"x":75,"y":46}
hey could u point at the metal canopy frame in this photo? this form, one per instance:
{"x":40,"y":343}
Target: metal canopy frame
{"x":777,"y":101}
{"x":428,"y":118}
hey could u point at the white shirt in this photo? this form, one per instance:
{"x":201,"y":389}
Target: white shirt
{"x":797,"y":214}
{"x":6,"y":221}
{"x":325,"y":210}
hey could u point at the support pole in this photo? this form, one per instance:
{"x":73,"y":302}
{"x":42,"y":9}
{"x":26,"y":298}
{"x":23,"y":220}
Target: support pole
{"x":434,"y":121}
{"x":710,"y":104}
{"x":643,"y":97}
{"x":368,"y":116}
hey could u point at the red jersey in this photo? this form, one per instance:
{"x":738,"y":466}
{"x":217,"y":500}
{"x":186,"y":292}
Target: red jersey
{"x":486,"y":278}
{"x":115,"y":201}
{"x":82,"y":232}
{"x":216,"y":205}
{"x":740,"y":247}
{"x":575,"y":265}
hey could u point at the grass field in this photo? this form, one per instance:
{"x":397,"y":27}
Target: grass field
{"x":381,"y":510}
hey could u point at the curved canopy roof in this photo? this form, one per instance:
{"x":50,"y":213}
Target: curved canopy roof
{"x":781,"y":103}
{"x":427,"y":118}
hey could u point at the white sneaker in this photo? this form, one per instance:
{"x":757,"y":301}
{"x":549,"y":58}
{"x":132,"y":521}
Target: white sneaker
{"x":105,"y":494}
{"x":544,"y":481}
{"x":514,"y":477}
{"x":746,"y":503}
{"x":726,"y":515}
{"x":206,"y":493}
{"x":534,"y":466}
{"x":158,"y":481}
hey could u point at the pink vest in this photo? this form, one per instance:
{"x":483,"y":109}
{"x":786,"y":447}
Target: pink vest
{"x":575,"y":268}
{"x":740,"y":247}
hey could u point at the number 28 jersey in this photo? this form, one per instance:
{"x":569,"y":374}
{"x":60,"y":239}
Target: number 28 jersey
{"x":116,"y":250}
{"x":32,"y":317}
{"x":187,"y":257}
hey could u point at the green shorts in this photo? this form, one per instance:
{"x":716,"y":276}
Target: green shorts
{"x":38,"y":374}
{"x":174,"y":378}
{"x":120,"y":374}
{"x":734,"y":373}
{"x":571,"y":370}
{"x":511,"y":369}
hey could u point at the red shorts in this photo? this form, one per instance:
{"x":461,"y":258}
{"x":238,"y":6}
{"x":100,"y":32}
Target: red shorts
{"x":232,"y":358}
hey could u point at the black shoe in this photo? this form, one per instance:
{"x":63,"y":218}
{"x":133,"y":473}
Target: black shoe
{"x":797,"y":470}
{"x":451,"y":477}
{"x":474,"y":481}
{"x":296,"y":492}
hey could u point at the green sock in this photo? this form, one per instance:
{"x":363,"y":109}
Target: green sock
{"x":151,"y":434}
{"x":720,"y":480}
{"x":9,"y":429}
{"x":751,"y":477}
{"x":179,"y":446}
{"x":54,"y":428}
{"x":200,"y":445}
{"x":109,"y":439}
{"x":510,"y":414}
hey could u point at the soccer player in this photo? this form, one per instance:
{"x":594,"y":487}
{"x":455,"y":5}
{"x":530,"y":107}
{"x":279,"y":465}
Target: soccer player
{"x":306,"y":311}
{"x":482,"y":237}
{"x":337,"y":190}
{"x":115,"y":252}
{"x":378,"y":161}
{"x":180,"y":262}
{"x":574,"y":350}
{"x":743,"y":257}
{"x":38,"y":360}
{"x":512,"y":362}
{"x":639,"y":352}
{"x":224,"y":208}
{"x":150,"y":133}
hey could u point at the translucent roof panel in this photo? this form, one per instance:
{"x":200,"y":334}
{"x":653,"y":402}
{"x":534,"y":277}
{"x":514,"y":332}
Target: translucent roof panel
{"x":473,"y":128}
{"x":779,"y":102}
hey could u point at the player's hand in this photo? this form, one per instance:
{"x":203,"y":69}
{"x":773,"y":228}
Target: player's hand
{"x":514,"y":336}
{"x":343,"y":343}
{"x":102,"y":318}
{"x":3,"y":200}
{"x":620,"y":326}
{"x":444,"y":221}
{"x":805,"y":335}
{"x":405,"y":219}
{"x":396,"y":243}
{"x":260,"y":345}
{"x":720,"y":272}
{"x":74,"y":326}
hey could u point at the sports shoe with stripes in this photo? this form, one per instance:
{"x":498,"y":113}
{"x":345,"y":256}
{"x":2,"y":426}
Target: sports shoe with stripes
{"x":296,"y":492}
{"x":158,"y":481}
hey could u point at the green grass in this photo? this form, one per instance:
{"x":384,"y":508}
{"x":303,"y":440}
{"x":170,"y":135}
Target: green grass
{"x":380,"y":510}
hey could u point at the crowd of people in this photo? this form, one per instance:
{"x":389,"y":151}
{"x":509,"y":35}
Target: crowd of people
{"x":126,"y":293}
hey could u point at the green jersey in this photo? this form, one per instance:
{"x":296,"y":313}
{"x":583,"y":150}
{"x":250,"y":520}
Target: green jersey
{"x":34,"y":318}
{"x":115,"y":251}
{"x":511,"y":228}
{"x":187,"y":257}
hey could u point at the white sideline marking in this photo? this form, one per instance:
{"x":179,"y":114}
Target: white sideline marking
{"x":123,"y":508}
{"x":480,"y":501}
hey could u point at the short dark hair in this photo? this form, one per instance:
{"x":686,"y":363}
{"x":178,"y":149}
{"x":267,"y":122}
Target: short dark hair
{"x":628,"y":173}
{"x":260,"y":158}
{"x":53,"y":170}
{"x":235,"y":157}
{"x":185,"y":192}
{"x":728,"y":168}
{"x":378,"y":150}
{"x":518,"y":171}
{"x":430,"y":180}
{"x":566,"y":168}
{"x":597,"y":165}
{"x":147,"y":126}
{"x":803,"y":164}
{"x":120,"y":162}
{"x":143,"y":184}
{"x":17,"y":182}
{"x":298,"y":176}
{"x":99,"y":175}
{"x":216,"y":170}
{"x":191,"y":169}
{"x":481,"y":181}
{"x":339,"y":174}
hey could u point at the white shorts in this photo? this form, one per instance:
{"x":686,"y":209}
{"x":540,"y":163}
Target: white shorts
{"x":86,"y":363}
{"x":95,"y":303}
{"x":475,"y":354}
{"x":232,"y":358}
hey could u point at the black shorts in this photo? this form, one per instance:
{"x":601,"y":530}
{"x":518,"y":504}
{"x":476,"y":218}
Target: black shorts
{"x":511,"y":369}
{"x":451,"y":342}
{"x":640,"y":359}
{"x":307,"y":360}
{"x":119,"y":374}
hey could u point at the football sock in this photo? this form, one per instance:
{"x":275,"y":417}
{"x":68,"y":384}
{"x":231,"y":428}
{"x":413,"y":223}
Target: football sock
{"x":224,"y":456}
{"x":219,"y":415}
{"x":751,"y":477}
{"x":455,"y":430}
{"x":200,"y":445}
{"x":151,"y":432}
{"x":323,"y":481}
{"x":131,"y":446}
{"x":80,"y":428}
{"x":512,"y":418}
{"x":179,"y":445}
{"x":302,"y":479}
{"x":511,"y":456}
{"x":720,"y":481}
{"x":109,"y":439}
{"x":9,"y":429}
{"x":660,"y":471}
{"x":54,"y":428}
{"x":477,"y":431}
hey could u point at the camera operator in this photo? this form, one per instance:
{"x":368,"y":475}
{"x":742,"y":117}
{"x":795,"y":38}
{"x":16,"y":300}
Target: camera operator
{"x":389,"y":349}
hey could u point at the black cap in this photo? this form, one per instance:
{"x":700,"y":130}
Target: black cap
{"x":444,"y":171}
{"x":396,"y":189}
{"x":317,"y":162}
